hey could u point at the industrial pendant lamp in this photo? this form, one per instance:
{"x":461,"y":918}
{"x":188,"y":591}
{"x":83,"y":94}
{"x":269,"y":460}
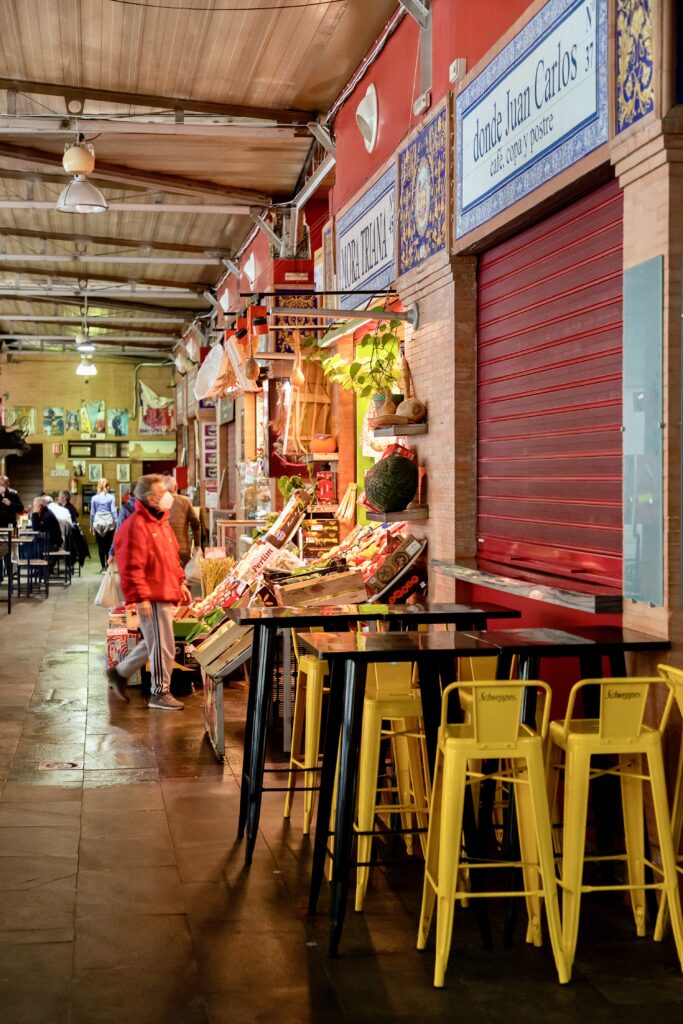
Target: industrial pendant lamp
{"x":86,"y":367}
{"x":80,"y":195}
{"x":83,"y":342}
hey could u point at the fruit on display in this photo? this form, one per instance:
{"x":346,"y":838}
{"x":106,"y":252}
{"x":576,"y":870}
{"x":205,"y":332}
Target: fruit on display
{"x":391,"y":484}
{"x":323,"y":444}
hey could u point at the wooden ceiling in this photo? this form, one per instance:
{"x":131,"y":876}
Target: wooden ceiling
{"x":189,"y":104}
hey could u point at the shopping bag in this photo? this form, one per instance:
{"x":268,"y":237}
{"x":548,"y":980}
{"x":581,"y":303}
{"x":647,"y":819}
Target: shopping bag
{"x":108,"y":595}
{"x":192,"y":571}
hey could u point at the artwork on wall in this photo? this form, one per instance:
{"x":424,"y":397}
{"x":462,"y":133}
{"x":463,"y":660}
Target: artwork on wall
{"x":124,"y":493}
{"x":123,"y":472}
{"x":93,"y":419}
{"x":79,"y":468}
{"x":635,"y":61}
{"x":53,"y":421}
{"x":94,"y":471}
{"x":23,"y":417}
{"x":105,"y":450}
{"x":422,"y":195}
{"x":72,"y":420}
{"x":156,"y":411}
{"x":117,"y":422}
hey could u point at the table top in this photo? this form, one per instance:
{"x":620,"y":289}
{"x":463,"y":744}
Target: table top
{"x":292,"y":617}
{"x":393,"y":646}
{"x":557,"y":642}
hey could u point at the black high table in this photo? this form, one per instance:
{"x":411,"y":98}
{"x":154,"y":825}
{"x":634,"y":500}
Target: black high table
{"x":434,"y":653}
{"x":266,"y":622}
{"x":6,"y":535}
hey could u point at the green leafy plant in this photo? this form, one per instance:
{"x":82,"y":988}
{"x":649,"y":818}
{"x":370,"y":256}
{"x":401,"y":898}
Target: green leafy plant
{"x":375,"y":369}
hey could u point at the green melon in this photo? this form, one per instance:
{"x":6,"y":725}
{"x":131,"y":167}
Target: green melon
{"x":391,"y":484}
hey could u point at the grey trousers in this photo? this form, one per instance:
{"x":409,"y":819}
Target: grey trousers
{"x":157,"y":644}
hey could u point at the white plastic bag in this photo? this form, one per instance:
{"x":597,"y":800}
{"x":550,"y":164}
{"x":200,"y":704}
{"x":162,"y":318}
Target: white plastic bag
{"x":192,"y":570}
{"x":109,"y":596}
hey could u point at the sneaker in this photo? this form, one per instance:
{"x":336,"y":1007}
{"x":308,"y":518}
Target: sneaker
{"x":118,"y":684}
{"x":165,"y":702}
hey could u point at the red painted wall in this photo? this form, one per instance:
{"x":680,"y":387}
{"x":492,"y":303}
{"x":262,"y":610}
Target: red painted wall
{"x":461,"y":28}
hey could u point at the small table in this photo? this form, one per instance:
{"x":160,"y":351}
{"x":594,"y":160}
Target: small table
{"x":434,"y":653}
{"x":266,"y":622}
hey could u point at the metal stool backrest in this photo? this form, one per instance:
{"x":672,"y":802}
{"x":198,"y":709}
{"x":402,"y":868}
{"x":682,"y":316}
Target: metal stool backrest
{"x":496,"y":709}
{"x":622,"y":706}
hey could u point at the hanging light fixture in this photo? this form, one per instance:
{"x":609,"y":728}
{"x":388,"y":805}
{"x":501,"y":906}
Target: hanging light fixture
{"x":80,"y":195}
{"x":86,"y":367}
{"x":83,"y":342}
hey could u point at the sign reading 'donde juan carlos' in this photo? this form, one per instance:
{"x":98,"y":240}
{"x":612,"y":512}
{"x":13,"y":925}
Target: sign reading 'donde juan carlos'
{"x":539,"y":106}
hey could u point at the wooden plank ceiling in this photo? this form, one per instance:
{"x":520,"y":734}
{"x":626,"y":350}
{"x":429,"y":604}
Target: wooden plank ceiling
{"x":188,"y":103}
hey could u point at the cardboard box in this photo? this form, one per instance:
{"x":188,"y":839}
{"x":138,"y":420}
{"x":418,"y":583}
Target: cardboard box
{"x":405,"y":554}
{"x":117,"y":645}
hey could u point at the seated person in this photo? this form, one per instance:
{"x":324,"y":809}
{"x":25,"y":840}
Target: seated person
{"x":64,"y":499}
{"x":44,"y":521}
{"x":61,"y":514}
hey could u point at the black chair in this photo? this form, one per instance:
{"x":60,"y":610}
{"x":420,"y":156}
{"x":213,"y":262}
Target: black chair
{"x":30,"y":554}
{"x":61,"y":560}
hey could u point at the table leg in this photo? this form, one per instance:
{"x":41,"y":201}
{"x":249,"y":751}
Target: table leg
{"x":264,"y":686}
{"x":249,"y":727}
{"x":287,"y":691}
{"x":352,"y":720}
{"x":327,"y":774}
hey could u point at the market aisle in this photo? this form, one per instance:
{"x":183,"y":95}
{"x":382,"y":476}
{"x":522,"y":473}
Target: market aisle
{"x":124,"y":896}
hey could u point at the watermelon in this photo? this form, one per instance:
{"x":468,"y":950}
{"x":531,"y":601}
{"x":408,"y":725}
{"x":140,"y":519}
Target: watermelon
{"x":391,"y":484}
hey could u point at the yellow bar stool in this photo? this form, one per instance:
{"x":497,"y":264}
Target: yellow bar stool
{"x":619,"y":730}
{"x":392,"y":709}
{"x":675,"y":677}
{"x":494,"y":733}
{"x":311,"y":674}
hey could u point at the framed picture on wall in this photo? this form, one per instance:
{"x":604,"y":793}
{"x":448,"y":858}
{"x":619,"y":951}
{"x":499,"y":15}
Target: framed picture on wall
{"x":106,"y":450}
{"x":94,"y":471}
{"x":123,"y":472}
{"x":124,"y":490}
{"x":226,"y":410}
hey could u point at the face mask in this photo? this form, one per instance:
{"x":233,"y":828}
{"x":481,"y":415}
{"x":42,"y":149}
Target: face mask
{"x":166,"y":501}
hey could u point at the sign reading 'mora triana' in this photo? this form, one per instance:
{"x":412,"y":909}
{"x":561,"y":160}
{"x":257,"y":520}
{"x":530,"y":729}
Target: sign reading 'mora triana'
{"x":539,"y":106}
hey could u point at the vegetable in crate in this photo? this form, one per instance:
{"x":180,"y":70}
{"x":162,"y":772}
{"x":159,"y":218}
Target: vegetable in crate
{"x":391,"y":484}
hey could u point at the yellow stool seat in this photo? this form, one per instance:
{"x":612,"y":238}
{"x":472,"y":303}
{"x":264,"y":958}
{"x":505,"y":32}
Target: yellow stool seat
{"x":494,"y":733}
{"x":619,"y":730}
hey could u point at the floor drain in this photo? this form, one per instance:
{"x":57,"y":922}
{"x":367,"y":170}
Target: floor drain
{"x":58,"y":766}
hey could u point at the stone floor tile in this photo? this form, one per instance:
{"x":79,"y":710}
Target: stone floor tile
{"x":35,"y":983}
{"x":147,"y":890}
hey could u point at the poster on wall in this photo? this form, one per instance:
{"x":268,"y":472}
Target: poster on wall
{"x":93,"y":420}
{"x":94,"y":472}
{"x":123,"y":472}
{"x":156,"y":411}
{"x":117,"y":422}
{"x":23,"y":417}
{"x":53,"y":421}
{"x":72,"y":421}
{"x":209,"y":451}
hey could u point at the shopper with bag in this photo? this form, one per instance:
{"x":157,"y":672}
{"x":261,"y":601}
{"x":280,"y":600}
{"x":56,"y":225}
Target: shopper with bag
{"x":103,"y":520}
{"x":151,"y":578}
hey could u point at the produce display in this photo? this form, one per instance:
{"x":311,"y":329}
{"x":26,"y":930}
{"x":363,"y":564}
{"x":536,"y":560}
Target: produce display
{"x":391,"y":484}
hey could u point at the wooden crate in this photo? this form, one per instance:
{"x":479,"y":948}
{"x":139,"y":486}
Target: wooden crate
{"x":339,"y":588}
{"x":224,"y":643}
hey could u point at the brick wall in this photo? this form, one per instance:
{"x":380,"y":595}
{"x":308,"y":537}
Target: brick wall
{"x":441,"y":356}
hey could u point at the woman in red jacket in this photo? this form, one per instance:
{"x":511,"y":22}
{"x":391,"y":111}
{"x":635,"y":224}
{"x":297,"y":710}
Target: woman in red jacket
{"x":152,"y":578}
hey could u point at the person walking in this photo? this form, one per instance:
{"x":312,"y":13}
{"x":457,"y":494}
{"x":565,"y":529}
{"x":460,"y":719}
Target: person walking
{"x":183,"y":519}
{"x":151,"y":577}
{"x":11,"y":504}
{"x":103,"y":520}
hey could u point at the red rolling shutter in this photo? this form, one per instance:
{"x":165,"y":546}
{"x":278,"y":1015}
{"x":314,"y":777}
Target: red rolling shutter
{"x":549,"y":393}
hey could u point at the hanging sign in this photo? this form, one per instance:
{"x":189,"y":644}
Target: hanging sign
{"x":539,"y":106}
{"x":365,"y":242}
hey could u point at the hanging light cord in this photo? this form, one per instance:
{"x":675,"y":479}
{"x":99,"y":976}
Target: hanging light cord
{"x":226,"y":10}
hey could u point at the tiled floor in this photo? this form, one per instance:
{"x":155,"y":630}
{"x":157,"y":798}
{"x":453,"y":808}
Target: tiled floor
{"x":125,"y":899}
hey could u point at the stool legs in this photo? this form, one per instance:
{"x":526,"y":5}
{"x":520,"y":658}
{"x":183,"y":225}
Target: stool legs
{"x":297,"y":734}
{"x":432,"y":855}
{"x":526,"y":828}
{"x":661,"y":809}
{"x":370,"y":744}
{"x":676,"y":829}
{"x":575,"y":811}
{"x":449,"y":859}
{"x":634,"y":833}
{"x":314,"y":710}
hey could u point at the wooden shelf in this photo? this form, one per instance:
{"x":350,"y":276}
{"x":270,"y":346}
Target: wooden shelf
{"x":326,"y":509}
{"x":407,"y":430}
{"x":321,"y":457}
{"x":416,"y":512}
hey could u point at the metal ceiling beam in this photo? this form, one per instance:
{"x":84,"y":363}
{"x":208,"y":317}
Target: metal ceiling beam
{"x":76,"y":297}
{"x":120,"y":174}
{"x":102,"y":320}
{"x":45,"y":124}
{"x":58,"y":179}
{"x":128,"y":243}
{"x":73,"y":275}
{"x":71,"y":93}
{"x":321,"y":133}
{"x":95,"y":339}
{"x":76,"y":257}
{"x":217,"y":210}
{"x":417,"y":10}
